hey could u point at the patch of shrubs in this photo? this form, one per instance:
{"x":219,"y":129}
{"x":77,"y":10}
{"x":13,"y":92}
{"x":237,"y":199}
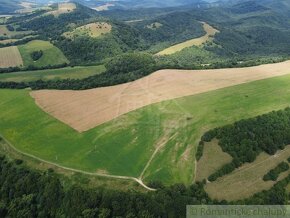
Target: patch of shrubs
{"x":246,"y":139}
{"x":36,"y":55}
{"x":199,"y":151}
{"x":274,"y":173}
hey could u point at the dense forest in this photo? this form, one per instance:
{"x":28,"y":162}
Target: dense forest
{"x":246,"y":139}
{"x":121,"y":69}
{"x":274,"y":173}
{"x":27,"y":193}
{"x":262,"y":30}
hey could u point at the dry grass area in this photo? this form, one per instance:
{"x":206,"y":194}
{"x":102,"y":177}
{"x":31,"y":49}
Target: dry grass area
{"x":6,"y":41}
{"x":210,"y":32}
{"x":5,"y":32}
{"x":63,"y":8}
{"x":93,"y":30}
{"x":248,"y":179}
{"x":10,"y":57}
{"x":104,"y":7}
{"x":83,"y":110}
{"x":213,"y":158}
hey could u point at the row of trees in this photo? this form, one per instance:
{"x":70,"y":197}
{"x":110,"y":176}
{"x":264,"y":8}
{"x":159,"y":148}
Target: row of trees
{"x":121,"y":69}
{"x":246,"y":139}
{"x":274,"y":173}
{"x":27,"y":193}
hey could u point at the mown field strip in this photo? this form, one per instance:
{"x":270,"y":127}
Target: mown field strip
{"x":248,"y":179}
{"x":84,"y":110}
{"x":10,"y":57}
{"x":210,"y":32}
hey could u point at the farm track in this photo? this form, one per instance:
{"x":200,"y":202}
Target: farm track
{"x":138,"y":180}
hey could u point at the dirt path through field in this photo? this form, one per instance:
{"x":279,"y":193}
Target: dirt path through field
{"x":78,"y":171}
{"x":83,"y":110}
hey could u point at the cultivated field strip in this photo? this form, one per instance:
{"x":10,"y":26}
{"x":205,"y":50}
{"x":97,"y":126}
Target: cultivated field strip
{"x":210,"y":32}
{"x":248,"y":179}
{"x":10,"y":57}
{"x":84,"y":110}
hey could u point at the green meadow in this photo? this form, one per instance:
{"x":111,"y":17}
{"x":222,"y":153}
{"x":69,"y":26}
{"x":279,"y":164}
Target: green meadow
{"x":51,"y":54}
{"x":52,"y":74}
{"x":124,"y":145}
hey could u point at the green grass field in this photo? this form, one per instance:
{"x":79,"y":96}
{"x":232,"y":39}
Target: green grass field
{"x":124,"y":145}
{"x":63,"y":73}
{"x":51,"y":54}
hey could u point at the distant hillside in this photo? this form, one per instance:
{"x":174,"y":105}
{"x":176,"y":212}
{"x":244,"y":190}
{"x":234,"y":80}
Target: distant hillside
{"x":9,"y":6}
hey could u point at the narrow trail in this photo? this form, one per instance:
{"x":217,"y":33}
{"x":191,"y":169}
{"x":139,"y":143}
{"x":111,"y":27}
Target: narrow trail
{"x":138,"y":180}
{"x":154,"y":154}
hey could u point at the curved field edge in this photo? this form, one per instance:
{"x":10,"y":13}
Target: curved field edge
{"x":78,"y":72}
{"x":210,"y":33}
{"x":125,"y":145}
{"x":68,"y":176}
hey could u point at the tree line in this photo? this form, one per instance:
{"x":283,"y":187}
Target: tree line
{"x":246,"y":139}
{"x":27,"y":193}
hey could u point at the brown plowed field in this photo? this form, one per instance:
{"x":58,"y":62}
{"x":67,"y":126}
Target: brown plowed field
{"x":83,"y":110}
{"x":10,"y":57}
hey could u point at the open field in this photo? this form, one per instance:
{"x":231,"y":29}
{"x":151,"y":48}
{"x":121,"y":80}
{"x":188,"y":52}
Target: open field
{"x":213,"y":159}
{"x":93,"y":30}
{"x":83,"y":110}
{"x":63,"y":73}
{"x":5,"y":32}
{"x":210,"y":32}
{"x":63,"y":8}
{"x":248,"y":179}
{"x":69,"y":177}
{"x":125,"y":145}
{"x":51,"y":54}
{"x":104,"y":7}
{"x":10,"y":57}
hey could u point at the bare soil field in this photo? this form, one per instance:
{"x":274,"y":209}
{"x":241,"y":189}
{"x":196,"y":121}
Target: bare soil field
{"x":10,"y":57}
{"x":248,"y":179}
{"x":83,"y":110}
{"x":210,"y":32}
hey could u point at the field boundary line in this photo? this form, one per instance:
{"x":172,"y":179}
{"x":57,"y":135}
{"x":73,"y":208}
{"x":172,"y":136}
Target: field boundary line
{"x":75,"y":170}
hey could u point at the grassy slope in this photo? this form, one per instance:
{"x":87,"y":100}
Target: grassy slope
{"x":93,"y":30}
{"x":63,"y":73}
{"x":51,"y":54}
{"x":124,"y":145}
